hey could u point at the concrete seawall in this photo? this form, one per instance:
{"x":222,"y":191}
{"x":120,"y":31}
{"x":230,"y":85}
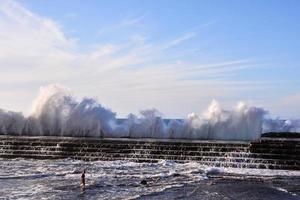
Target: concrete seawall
{"x":266,"y":153}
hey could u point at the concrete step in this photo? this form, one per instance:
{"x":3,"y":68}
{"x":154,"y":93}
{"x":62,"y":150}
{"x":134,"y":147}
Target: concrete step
{"x":155,"y":156}
{"x":271,"y":154}
{"x":208,"y":163}
{"x":151,"y":151}
{"x":101,"y":144}
{"x":158,"y":148}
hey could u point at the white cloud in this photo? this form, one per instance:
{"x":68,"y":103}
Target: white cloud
{"x":35,"y":51}
{"x":30,"y":46}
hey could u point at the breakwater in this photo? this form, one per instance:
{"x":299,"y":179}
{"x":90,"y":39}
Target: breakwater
{"x":265,"y":153}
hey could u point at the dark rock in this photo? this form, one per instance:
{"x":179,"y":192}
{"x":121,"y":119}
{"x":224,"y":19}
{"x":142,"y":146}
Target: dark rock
{"x":281,"y":135}
{"x":144,"y":182}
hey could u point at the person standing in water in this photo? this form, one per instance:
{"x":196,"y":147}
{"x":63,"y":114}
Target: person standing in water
{"x":82,"y":184}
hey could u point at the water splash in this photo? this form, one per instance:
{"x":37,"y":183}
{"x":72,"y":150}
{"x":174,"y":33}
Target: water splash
{"x":56,"y":112}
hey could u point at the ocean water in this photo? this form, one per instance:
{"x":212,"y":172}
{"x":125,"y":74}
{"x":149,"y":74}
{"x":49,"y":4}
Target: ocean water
{"x":60,"y":179}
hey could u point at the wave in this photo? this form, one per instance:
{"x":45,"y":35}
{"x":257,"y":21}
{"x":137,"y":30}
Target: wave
{"x":56,"y":112}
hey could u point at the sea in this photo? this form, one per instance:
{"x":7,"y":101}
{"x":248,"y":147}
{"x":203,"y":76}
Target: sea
{"x":60,"y":179}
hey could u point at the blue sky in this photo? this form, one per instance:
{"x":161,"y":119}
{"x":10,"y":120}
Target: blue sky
{"x":175,"y":56}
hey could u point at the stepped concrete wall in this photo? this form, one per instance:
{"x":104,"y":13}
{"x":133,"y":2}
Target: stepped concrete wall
{"x":266,"y":153}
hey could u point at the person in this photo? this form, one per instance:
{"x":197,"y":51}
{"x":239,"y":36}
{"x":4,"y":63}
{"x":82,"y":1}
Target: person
{"x":82,"y":184}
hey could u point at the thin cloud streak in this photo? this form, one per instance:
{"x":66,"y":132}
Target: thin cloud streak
{"x":180,"y":40}
{"x":123,"y":24}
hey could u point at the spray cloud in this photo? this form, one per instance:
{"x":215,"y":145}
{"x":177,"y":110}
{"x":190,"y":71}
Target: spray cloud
{"x":56,"y":112}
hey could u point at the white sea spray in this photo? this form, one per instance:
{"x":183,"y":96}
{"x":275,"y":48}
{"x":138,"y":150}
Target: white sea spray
{"x":57,"y":112}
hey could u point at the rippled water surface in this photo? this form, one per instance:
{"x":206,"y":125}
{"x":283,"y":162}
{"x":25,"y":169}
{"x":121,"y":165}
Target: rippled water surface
{"x":60,"y":179}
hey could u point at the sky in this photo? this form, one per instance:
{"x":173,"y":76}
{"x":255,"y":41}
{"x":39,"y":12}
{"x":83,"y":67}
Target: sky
{"x":175,"y":56}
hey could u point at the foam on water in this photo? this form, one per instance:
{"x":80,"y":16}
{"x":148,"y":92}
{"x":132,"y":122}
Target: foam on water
{"x":33,"y":179}
{"x":104,"y":179}
{"x":56,"y":112}
{"x":262,"y":172}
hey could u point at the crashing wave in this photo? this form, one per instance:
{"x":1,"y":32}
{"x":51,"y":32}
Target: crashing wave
{"x":56,"y":112}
